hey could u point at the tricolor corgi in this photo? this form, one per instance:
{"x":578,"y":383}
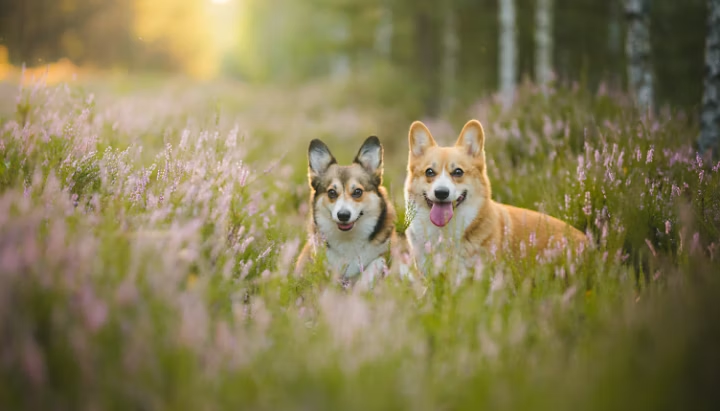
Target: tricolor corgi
{"x":449,"y":191}
{"x":351,"y":214}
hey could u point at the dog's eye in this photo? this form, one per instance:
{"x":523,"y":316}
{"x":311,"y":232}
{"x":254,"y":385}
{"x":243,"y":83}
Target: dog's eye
{"x":357,"y":193}
{"x":332,"y":193}
{"x":429,"y":172}
{"x":457,"y":173}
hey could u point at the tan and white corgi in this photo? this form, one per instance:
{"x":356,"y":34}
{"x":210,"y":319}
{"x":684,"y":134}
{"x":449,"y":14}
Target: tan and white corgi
{"x":450,"y":193}
{"x":351,"y":213}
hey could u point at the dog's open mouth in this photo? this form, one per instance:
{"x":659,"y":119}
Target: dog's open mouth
{"x":441,"y":212}
{"x":349,"y":226}
{"x":345,"y":226}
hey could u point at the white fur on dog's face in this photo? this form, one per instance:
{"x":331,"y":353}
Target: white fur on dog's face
{"x":460,"y":169}
{"x":445,"y":182}
{"x":345,"y":198}
{"x":345,"y":202}
{"x":349,"y":207}
{"x":364,"y":212}
{"x":468,"y":189}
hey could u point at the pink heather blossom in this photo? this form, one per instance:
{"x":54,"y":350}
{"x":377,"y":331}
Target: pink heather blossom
{"x":695,"y":247}
{"x":33,"y":362}
{"x":264,"y":253}
{"x":587,"y":208}
{"x":650,"y":153}
{"x":245,"y":269}
{"x":569,"y":294}
{"x":580,"y":173}
{"x":287,"y":255}
{"x":650,"y":246}
{"x":126,"y":293}
{"x":94,"y":309}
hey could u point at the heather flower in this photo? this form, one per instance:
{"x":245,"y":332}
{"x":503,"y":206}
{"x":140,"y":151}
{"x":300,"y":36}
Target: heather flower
{"x":581,"y":171}
{"x":33,"y":362}
{"x":569,"y":294}
{"x":650,"y":153}
{"x":695,"y":247}
{"x":587,"y":208}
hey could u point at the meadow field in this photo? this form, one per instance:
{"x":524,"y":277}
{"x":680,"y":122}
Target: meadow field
{"x":148,"y":232}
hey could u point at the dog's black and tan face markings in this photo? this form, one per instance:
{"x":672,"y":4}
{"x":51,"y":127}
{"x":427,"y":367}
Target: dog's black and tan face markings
{"x":354,"y":189}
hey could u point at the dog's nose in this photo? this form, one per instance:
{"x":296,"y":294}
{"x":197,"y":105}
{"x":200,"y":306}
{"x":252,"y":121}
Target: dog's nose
{"x":343,"y":215}
{"x":442,"y":193}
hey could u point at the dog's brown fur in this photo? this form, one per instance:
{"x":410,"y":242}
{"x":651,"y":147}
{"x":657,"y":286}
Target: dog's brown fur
{"x":496,"y":226}
{"x":368,"y":242}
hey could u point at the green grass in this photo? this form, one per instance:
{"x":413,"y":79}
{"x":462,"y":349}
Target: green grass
{"x":148,"y":238}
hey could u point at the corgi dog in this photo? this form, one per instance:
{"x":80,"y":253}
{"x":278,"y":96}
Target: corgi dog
{"x":350,"y":211}
{"x":449,"y":191}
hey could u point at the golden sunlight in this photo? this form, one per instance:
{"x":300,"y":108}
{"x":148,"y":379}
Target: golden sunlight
{"x":219,"y":1}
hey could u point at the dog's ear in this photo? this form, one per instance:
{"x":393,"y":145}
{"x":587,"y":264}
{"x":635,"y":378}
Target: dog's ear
{"x":472,"y":138}
{"x":319,"y":157}
{"x":370,"y":156}
{"x":420,"y":138}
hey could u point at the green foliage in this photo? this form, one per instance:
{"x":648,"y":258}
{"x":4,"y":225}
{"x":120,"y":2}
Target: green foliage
{"x":148,"y":251}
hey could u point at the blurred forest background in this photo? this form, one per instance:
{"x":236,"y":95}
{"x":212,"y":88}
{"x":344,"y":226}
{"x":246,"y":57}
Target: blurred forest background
{"x":412,"y":50}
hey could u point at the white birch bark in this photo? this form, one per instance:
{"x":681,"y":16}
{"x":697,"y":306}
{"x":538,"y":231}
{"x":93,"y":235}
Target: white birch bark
{"x":710,"y":116}
{"x":384,"y":32}
{"x":340,"y":61}
{"x":451,"y":45}
{"x":543,"y":42}
{"x":508,"y":51}
{"x":637,"y":47}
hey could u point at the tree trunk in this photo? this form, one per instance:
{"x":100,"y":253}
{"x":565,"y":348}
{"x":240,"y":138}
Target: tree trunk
{"x":451,"y":45}
{"x":508,"y":51}
{"x":340,"y":61}
{"x":710,"y":117}
{"x":428,"y":54}
{"x":384,"y":32}
{"x":543,"y":42}
{"x":640,"y":77}
{"x":614,"y":44}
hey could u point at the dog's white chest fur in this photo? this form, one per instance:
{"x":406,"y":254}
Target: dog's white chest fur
{"x":351,"y":258}
{"x":352,"y":252}
{"x":427,"y":239}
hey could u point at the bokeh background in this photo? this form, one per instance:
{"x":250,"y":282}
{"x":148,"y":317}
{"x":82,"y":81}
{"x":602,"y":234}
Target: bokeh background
{"x":154,"y":197}
{"x":403,"y":45}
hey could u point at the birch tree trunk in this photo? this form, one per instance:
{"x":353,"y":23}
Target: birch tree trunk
{"x":710,"y":117}
{"x":543,"y":42}
{"x":384,"y":32}
{"x":637,"y":46}
{"x":340,"y":61}
{"x":451,"y":45}
{"x":508,"y":51}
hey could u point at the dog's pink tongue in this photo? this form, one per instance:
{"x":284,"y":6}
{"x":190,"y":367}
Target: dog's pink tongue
{"x":441,"y":213}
